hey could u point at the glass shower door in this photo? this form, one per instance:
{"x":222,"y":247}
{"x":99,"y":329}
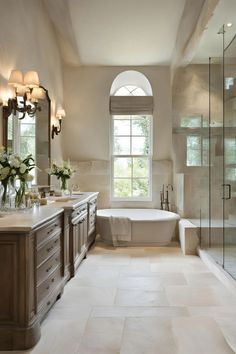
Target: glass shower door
{"x":229,"y":185}
{"x":216,"y":143}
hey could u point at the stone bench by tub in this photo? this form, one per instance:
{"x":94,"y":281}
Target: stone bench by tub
{"x":188,"y":236}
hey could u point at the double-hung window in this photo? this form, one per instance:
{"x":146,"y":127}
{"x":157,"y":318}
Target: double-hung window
{"x":21,"y":137}
{"x":131,"y":157}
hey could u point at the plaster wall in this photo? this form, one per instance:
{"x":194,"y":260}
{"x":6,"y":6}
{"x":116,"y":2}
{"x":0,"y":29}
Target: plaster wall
{"x":190,"y":97}
{"x":28,"y":42}
{"x":86,"y":128}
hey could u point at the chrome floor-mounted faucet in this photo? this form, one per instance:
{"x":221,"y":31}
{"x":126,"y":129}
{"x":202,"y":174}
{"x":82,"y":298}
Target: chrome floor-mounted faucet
{"x":164,"y":197}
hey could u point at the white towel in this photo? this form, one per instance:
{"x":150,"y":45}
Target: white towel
{"x":120,"y":229}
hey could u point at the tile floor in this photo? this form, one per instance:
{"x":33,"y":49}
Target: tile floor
{"x":141,"y":301}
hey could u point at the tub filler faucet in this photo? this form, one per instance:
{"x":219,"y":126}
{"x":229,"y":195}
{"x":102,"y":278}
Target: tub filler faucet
{"x":164,"y":197}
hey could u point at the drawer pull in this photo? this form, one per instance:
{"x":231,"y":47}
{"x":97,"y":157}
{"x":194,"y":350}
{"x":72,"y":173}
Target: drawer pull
{"x":49,"y":249}
{"x":48,"y":287}
{"x":50,"y":231}
{"x":49,"y":268}
{"x":48,"y":303}
{"x":56,"y":240}
{"x":52,"y":280}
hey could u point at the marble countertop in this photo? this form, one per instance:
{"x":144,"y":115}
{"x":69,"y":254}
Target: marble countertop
{"x":28,"y":219}
{"x":71,"y":202}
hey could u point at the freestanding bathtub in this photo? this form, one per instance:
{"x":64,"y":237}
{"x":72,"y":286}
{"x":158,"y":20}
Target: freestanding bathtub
{"x":149,"y":227}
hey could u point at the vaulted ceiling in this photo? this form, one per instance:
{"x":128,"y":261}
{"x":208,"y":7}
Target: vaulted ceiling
{"x":117,"y":32}
{"x":137,"y":32}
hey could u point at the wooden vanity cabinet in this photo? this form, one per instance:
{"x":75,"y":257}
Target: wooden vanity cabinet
{"x":92,"y":211}
{"x":78,"y":236}
{"x":82,"y":231}
{"x":31,"y":273}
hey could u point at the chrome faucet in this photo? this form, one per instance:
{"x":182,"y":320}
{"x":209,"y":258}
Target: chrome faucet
{"x":164,"y":197}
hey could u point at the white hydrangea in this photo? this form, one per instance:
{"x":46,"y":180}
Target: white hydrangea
{"x":14,"y":161}
{"x":23,"y":168}
{"x":4,"y":172}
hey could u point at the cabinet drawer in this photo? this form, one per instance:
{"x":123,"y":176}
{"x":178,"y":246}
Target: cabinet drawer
{"x":48,"y":249}
{"x":93,"y":202}
{"x":48,"y":267}
{"x":45,"y":288}
{"x":79,"y":211}
{"x":49,"y":230}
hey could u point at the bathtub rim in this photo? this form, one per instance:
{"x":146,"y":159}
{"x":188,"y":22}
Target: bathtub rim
{"x":172,"y":216}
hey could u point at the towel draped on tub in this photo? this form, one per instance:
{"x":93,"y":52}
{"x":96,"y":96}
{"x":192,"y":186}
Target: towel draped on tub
{"x":120,"y":229}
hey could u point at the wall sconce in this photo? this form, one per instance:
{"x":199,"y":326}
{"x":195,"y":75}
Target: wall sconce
{"x":26,"y":87}
{"x":59,"y":115}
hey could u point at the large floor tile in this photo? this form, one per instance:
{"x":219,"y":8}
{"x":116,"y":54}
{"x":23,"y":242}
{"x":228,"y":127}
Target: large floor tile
{"x":102,"y":336}
{"x":94,"y":296}
{"x":199,"y":335}
{"x":148,"y":335}
{"x":140,"y":298}
{"x":142,"y":270}
{"x":98,"y":277}
{"x":173,"y":267}
{"x":216,"y":312}
{"x":228,"y":328}
{"x":142,"y":283}
{"x":60,"y":336}
{"x":109,"y":260}
{"x":139,"y":311}
{"x":202,"y":279}
{"x":191,"y":296}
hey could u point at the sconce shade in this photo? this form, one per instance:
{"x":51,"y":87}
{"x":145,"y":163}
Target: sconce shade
{"x":21,"y":90}
{"x":38,"y":93}
{"x":16,"y":78}
{"x":31,"y":79}
{"x":60,"y":113}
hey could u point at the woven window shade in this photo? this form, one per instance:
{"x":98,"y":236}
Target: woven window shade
{"x":120,"y":105}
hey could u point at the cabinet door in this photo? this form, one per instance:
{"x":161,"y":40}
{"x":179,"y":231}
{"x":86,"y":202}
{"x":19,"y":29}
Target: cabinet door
{"x":77,"y":242}
{"x":84,"y":233}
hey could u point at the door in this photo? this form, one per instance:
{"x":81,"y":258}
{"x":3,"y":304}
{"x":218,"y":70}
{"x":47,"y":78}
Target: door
{"x":216,"y":175}
{"x":229,"y":185}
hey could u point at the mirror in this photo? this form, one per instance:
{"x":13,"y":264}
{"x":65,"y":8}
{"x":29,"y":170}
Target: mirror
{"x":31,"y":135}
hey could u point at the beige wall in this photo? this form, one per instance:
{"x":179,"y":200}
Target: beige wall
{"x":28,"y":42}
{"x":86,"y":127}
{"x":87,"y":92}
{"x":190,"y":96}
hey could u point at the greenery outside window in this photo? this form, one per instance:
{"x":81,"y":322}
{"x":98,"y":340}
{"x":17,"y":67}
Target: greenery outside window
{"x":197,"y":151}
{"x":230,"y":158}
{"x":22,"y":137}
{"x":131,"y":157}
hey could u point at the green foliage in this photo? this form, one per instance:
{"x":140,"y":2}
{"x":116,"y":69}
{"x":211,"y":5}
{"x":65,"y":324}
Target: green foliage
{"x":131,"y":174}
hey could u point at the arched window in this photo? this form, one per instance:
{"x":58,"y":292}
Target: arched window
{"x":131,"y":106}
{"x":130,"y":90}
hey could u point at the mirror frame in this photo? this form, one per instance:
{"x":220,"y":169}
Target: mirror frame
{"x":5,"y":115}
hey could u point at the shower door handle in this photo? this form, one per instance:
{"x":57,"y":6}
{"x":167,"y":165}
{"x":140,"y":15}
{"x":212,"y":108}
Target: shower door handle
{"x":229,"y":191}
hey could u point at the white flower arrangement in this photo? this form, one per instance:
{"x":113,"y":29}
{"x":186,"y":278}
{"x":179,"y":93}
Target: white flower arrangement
{"x":63,"y":172}
{"x":13,"y":167}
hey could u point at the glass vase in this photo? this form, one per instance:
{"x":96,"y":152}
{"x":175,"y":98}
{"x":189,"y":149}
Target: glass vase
{"x":64,"y":187}
{"x":20,"y":202}
{"x":7,"y":194}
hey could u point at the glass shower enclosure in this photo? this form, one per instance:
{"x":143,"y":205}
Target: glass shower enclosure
{"x":221,"y":241}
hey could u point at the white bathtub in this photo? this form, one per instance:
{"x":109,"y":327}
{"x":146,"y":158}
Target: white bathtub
{"x":149,"y":227}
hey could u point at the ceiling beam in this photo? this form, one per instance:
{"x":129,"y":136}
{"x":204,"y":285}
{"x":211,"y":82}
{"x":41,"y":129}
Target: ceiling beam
{"x":194,"y":20}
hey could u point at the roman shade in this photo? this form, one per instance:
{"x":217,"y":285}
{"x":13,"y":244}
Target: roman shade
{"x":120,"y":105}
